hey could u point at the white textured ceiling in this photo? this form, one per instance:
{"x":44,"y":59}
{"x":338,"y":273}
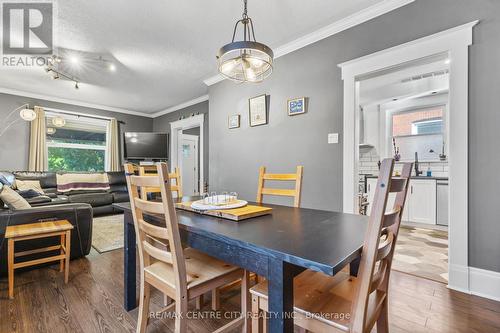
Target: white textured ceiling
{"x":164,"y":49}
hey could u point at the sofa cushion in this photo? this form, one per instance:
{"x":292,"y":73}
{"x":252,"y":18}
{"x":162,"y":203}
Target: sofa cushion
{"x":93,"y":199}
{"x":26,"y":185}
{"x":12,"y":199}
{"x":47,"y":179}
{"x":120,"y":197}
{"x":41,"y":199}
{"x":117,"y":178}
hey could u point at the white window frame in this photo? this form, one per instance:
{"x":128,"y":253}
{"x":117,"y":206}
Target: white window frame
{"x":87,"y":120}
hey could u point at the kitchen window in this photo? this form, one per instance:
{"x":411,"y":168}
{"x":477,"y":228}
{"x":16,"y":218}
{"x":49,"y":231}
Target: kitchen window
{"x":419,"y":130}
{"x":78,"y":145}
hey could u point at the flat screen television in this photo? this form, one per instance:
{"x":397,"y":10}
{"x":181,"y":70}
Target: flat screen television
{"x":145,"y":146}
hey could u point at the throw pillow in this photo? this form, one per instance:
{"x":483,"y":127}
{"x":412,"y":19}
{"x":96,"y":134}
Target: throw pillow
{"x":12,"y":199}
{"x":24,"y":185}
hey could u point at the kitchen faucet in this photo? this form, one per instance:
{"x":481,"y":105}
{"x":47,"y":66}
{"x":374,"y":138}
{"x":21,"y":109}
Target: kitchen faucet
{"x":417,"y":171}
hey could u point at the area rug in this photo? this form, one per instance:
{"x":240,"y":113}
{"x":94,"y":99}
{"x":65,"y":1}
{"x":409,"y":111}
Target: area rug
{"x":107,"y":233}
{"x":423,"y":253}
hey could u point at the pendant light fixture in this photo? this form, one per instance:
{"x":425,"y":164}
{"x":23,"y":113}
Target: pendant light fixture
{"x":246,"y":60}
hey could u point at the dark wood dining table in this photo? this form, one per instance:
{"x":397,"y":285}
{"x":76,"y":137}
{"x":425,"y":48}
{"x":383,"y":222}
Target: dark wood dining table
{"x":278,"y":246}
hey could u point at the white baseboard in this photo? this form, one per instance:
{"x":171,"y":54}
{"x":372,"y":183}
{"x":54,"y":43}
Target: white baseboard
{"x":459,"y":278}
{"x":484,"y":283}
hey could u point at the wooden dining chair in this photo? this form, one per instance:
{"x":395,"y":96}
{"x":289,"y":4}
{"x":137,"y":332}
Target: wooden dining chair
{"x":182,"y":274}
{"x":342,"y":303}
{"x":151,"y":171}
{"x":295,"y":177}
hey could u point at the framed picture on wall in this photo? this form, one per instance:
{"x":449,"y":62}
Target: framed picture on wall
{"x":257,"y":107}
{"x":233,"y":121}
{"x":296,"y":106}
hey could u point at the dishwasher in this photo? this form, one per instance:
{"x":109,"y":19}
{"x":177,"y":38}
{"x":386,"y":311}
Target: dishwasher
{"x":442,"y":202}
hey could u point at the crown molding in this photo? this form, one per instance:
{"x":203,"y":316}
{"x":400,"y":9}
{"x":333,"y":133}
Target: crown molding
{"x":180,"y":106}
{"x":73,"y":102}
{"x":353,"y":20}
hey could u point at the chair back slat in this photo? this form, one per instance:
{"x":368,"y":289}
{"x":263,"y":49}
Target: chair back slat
{"x":378,"y":247}
{"x":149,"y":206}
{"x":144,"y":181}
{"x":152,"y":230}
{"x":157,"y":242}
{"x":157,"y":253}
{"x":295,"y":193}
{"x":397,"y":185}
{"x":392,"y":217}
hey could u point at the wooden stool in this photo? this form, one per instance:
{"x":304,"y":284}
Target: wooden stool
{"x":39,"y":230}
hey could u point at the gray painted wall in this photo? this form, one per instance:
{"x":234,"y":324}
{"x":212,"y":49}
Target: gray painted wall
{"x":162,"y":124}
{"x":14,"y":144}
{"x":235,"y":155}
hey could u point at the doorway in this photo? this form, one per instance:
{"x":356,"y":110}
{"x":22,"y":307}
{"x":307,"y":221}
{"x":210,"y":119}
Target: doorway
{"x":191,"y":126}
{"x":190,"y":162}
{"x":455,"y":44}
{"x":403,"y":114}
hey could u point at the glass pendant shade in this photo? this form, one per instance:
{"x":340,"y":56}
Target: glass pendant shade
{"x":27,"y":114}
{"x":245,"y":60}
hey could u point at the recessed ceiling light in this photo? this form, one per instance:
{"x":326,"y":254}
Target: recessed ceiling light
{"x":112,"y":67}
{"x":447,"y":61}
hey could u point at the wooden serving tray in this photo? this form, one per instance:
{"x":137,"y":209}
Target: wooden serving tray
{"x":235,"y":214}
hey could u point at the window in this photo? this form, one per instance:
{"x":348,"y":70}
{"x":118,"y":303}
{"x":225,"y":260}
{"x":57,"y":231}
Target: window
{"x":79,"y":145}
{"x":419,"y":131}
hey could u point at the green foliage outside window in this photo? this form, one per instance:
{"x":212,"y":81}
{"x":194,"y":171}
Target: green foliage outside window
{"x":73,"y":159}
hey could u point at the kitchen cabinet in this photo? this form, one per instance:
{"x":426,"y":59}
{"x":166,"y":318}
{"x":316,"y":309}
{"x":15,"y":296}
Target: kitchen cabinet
{"x":420,"y":204}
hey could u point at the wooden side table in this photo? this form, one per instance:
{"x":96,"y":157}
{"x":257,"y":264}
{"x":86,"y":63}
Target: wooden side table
{"x":61,"y":228}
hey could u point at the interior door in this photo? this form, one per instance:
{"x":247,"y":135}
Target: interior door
{"x":189,"y":168}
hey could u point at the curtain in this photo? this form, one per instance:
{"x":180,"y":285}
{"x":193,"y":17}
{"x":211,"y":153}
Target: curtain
{"x":113,"y":162}
{"x":38,"y":146}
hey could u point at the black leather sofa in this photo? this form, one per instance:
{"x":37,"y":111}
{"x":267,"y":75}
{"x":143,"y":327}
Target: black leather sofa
{"x":78,"y":207}
{"x":101,"y":201}
{"x":79,"y":215}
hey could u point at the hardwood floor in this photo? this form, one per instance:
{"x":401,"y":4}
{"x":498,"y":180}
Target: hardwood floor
{"x":92,"y":302}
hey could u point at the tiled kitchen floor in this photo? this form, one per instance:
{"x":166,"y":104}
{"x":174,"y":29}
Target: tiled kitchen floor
{"x":422,"y":252}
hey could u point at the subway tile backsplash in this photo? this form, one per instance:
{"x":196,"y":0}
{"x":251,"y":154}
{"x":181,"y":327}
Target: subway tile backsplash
{"x":368,"y":165}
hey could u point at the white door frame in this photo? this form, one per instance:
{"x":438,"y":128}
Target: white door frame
{"x":455,"y":42}
{"x":176,"y":127}
{"x":196,"y":140}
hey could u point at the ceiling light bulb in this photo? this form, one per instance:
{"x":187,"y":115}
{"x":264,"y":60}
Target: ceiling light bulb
{"x":228,"y":66}
{"x":27,"y":114}
{"x":58,"y":121}
{"x":112,"y":67}
{"x":74,"y":60}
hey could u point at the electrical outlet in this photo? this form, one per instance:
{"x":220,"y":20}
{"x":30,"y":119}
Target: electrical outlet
{"x":333,"y":138}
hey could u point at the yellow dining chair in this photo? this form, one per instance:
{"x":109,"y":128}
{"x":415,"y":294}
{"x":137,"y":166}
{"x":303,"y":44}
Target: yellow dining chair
{"x":182,"y":274}
{"x":343,"y":303}
{"x":151,"y":171}
{"x":294,"y":193}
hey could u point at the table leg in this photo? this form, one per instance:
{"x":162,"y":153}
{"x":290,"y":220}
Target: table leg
{"x":129,"y":258}
{"x":354,"y":267}
{"x":280,"y":278}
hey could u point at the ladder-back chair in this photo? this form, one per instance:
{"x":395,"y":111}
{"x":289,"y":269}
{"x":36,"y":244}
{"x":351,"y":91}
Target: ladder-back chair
{"x":343,"y":303}
{"x":151,"y":171}
{"x":295,"y":177}
{"x":182,"y":274}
